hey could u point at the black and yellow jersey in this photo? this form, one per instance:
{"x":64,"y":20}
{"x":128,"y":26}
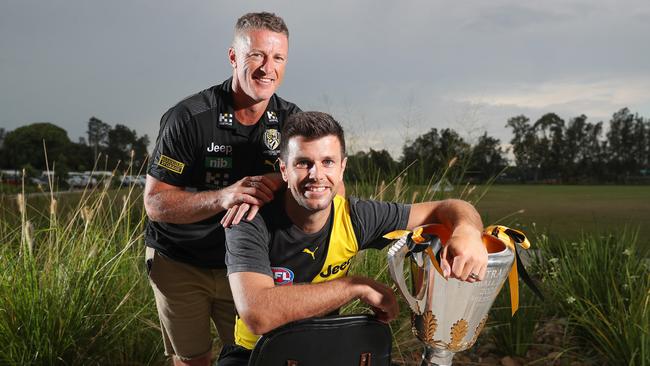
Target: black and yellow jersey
{"x":270,"y":244}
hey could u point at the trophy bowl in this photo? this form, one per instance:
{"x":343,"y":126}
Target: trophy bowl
{"x":447,"y":315}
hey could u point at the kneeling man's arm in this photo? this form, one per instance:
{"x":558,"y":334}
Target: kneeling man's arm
{"x":464,"y":252}
{"x":264,"y":306}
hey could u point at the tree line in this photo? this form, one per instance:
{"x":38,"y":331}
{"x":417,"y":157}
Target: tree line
{"x":104,"y":148}
{"x":549,"y":150}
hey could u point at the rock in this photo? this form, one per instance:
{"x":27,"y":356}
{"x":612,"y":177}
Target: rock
{"x":461,"y":358}
{"x":509,"y":361}
{"x":553,"y":356}
{"x":489,"y":360}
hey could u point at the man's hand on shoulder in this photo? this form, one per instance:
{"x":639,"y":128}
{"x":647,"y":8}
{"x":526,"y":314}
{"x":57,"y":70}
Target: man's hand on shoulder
{"x":240,"y":201}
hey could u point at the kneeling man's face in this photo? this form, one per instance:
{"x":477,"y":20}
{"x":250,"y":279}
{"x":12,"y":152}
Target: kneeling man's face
{"x":313,"y":170}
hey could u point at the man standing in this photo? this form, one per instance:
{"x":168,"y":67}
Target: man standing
{"x":215,"y":150}
{"x":309,"y":236}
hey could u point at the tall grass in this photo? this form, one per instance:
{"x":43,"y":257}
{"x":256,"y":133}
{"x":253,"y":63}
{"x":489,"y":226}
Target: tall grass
{"x":602,"y":283}
{"x":73,"y":285}
{"x":513,"y":335}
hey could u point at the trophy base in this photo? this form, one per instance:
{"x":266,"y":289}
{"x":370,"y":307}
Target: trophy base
{"x":436,"y":357}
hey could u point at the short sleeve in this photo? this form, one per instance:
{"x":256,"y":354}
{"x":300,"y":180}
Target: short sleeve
{"x":373,"y":219}
{"x":294,"y":109}
{"x":173,"y":154}
{"x":247,"y":247}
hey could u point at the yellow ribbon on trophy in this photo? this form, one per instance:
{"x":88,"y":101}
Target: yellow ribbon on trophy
{"x":509,"y":237}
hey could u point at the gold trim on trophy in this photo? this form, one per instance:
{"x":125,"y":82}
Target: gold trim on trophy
{"x":479,"y":329}
{"x":458,"y":332}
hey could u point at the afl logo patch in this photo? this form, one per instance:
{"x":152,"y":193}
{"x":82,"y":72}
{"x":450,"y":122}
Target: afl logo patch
{"x":272,"y":138}
{"x":282,"y":276}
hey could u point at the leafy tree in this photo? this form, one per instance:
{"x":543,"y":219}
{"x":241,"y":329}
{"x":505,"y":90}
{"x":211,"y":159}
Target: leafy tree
{"x":583,"y":150}
{"x":623,"y":145}
{"x":81,"y":157}
{"x":549,"y":145}
{"x":3,"y":158}
{"x":97,"y":135}
{"x":487,"y":157}
{"x":640,"y":146}
{"x":122,"y":141}
{"x":370,"y":166}
{"x":432,"y":152}
{"x":523,"y":147}
{"x":24,"y":146}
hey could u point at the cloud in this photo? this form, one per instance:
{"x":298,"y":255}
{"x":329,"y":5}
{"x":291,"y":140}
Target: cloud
{"x":598,"y":97}
{"x":514,"y":17}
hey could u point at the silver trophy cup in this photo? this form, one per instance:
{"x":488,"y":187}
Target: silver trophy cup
{"x":447,"y":314}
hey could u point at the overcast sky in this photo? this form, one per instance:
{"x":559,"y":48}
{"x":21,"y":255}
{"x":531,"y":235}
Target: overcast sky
{"x":387,"y":70}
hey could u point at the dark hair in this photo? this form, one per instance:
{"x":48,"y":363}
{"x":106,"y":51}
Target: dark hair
{"x":310,"y":125}
{"x":261,"y":20}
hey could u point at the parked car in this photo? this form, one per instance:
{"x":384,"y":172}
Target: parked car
{"x":81,"y":180}
{"x":133,"y":180}
{"x":40,"y":181}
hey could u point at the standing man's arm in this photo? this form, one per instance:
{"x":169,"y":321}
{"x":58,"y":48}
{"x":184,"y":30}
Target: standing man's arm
{"x":168,"y":203}
{"x":173,"y":158}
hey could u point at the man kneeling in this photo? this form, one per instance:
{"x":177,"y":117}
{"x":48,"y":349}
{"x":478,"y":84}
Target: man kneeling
{"x":308,"y":237}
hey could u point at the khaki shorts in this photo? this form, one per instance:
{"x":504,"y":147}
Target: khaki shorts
{"x":187,"y":297}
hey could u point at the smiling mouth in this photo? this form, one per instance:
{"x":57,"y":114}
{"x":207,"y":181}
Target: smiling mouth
{"x":315,"y":189}
{"x":264,"y":80}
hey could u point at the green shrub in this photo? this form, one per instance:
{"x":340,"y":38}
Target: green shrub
{"x":602,"y":283}
{"x":73,"y":287}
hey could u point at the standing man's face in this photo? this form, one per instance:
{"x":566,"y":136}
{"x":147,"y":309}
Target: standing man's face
{"x":313,"y":170}
{"x":259,"y":57}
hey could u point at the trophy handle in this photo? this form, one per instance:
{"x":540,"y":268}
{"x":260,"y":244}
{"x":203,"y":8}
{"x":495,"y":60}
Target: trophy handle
{"x":422,"y":246}
{"x":396,"y":255}
{"x":421,"y":258}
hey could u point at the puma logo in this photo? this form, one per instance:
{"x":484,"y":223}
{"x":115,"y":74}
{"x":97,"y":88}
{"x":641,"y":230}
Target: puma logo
{"x":306,"y":250}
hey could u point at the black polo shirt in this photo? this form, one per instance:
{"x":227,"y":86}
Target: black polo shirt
{"x":201,"y":146}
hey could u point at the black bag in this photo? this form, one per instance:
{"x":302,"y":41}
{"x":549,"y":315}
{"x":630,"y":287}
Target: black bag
{"x":355,"y":340}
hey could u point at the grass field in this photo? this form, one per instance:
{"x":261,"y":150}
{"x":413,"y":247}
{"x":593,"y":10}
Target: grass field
{"x":569,"y":210}
{"x":73,"y":287}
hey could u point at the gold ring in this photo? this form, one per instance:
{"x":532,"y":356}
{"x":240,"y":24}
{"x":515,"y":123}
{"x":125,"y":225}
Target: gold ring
{"x":473,"y":276}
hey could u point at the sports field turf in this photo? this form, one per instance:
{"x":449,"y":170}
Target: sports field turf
{"x":569,"y":210}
